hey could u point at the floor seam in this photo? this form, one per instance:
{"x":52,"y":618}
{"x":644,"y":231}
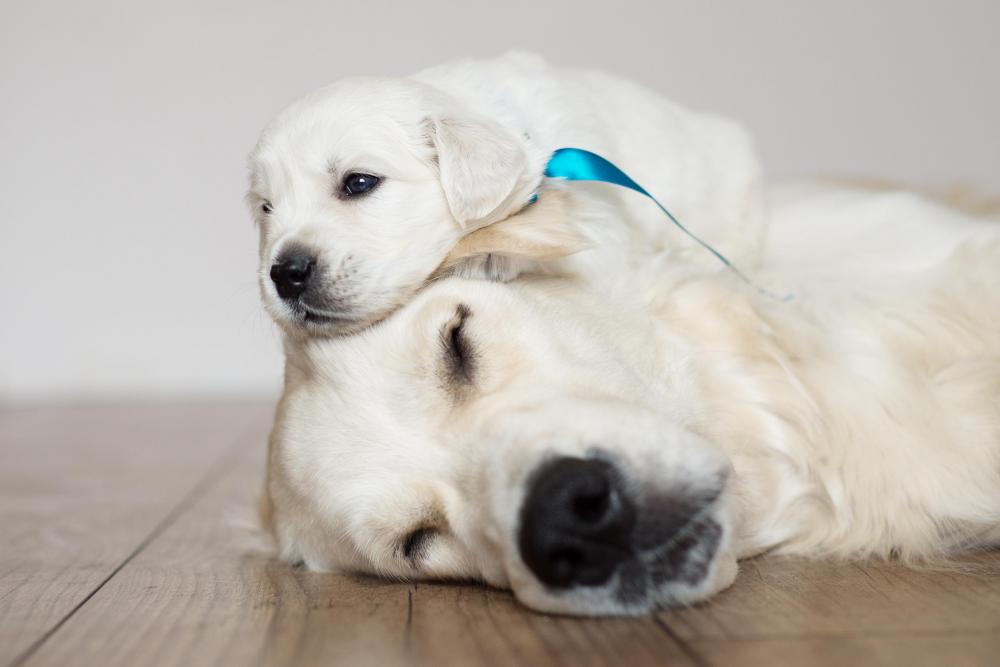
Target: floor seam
{"x":688,"y":650}
{"x":215,"y":472}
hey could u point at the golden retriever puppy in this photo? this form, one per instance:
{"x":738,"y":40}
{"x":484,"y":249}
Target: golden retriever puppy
{"x":614,"y":452}
{"x":361,"y":189}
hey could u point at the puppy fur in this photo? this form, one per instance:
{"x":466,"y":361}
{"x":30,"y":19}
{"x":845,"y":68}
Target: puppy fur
{"x":462,"y":147}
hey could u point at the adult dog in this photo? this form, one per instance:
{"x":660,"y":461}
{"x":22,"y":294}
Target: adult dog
{"x":611,"y":455}
{"x":361,"y":189}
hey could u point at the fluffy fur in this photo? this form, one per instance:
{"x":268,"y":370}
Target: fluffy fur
{"x":462,"y":146}
{"x":860,"y":419}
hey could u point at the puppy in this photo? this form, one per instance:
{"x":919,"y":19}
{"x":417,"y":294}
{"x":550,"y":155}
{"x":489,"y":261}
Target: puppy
{"x":612,"y":455}
{"x":362,"y":189}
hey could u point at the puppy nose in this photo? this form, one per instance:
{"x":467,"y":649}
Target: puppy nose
{"x":576,"y":523}
{"x":291,"y":273}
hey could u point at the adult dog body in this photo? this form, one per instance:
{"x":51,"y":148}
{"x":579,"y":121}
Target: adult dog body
{"x":707,"y":422}
{"x":459,"y":147}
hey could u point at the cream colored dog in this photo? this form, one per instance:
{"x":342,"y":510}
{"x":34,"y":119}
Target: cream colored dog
{"x":361,"y":189}
{"x":609,"y":456}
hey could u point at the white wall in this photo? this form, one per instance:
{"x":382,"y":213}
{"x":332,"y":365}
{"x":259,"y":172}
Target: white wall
{"x":128,"y":259}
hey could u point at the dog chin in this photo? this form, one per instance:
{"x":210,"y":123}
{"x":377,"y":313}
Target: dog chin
{"x":306,"y":325}
{"x":303,"y":324}
{"x":699,"y":570}
{"x":608,"y":600}
{"x":720,"y":575}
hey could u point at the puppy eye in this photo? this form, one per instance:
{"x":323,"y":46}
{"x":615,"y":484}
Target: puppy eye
{"x":266,"y":208}
{"x":359,"y":184}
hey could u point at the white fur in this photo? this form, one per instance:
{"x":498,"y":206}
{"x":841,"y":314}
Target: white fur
{"x":860,"y":419}
{"x":464,"y":145}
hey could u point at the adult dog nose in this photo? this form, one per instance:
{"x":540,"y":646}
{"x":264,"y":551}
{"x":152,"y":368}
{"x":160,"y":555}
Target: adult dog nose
{"x":291,"y":274}
{"x":576,"y":523}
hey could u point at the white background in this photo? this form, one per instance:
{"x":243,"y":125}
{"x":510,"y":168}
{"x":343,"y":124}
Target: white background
{"x":128,"y":259}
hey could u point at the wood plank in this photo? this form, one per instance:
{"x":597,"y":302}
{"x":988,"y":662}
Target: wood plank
{"x":196,"y":597}
{"x":82,"y":487}
{"x":462,"y":625}
{"x":77,"y":493}
{"x":793,"y":612}
{"x":935,"y":650}
{"x":787,"y":598}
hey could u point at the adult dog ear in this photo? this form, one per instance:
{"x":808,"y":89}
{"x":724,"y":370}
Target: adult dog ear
{"x":482,"y":167}
{"x":541,"y":232}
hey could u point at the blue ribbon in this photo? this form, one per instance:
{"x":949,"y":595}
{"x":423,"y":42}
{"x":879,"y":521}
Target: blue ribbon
{"x":577,"y":164}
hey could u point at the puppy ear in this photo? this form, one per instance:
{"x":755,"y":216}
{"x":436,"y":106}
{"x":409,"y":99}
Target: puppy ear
{"x":481,"y":165}
{"x":541,"y":232}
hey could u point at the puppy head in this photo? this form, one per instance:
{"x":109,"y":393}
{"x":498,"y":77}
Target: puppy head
{"x":517,"y":434}
{"x":361,"y":189}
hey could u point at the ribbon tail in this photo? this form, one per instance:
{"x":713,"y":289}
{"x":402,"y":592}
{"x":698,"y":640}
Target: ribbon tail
{"x":577,"y":164}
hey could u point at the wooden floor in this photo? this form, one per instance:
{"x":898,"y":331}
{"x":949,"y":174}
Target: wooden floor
{"x":120,"y":544}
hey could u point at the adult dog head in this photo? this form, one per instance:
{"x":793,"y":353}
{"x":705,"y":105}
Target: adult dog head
{"x":360,"y":190}
{"x":522,"y":434}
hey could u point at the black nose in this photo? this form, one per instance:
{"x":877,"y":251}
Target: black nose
{"x":576,"y":523}
{"x":291,"y":274}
